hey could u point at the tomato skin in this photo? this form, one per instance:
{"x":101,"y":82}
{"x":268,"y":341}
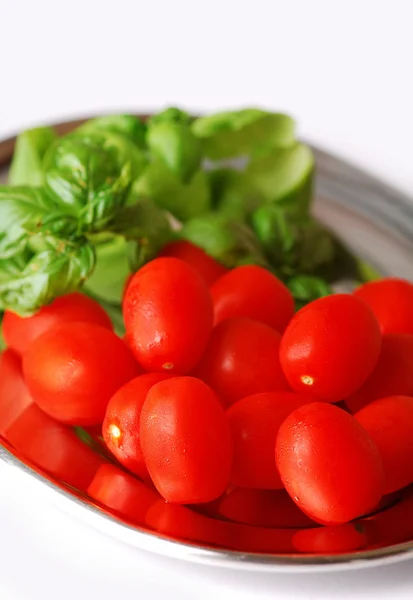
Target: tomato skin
{"x":168,"y":316}
{"x":329,"y":464}
{"x":254,"y":422}
{"x":392,"y":375}
{"x":207,"y":267}
{"x":74,"y":369}
{"x":391,"y":300}
{"x":389,"y":421}
{"x":120,"y":427}
{"x":186,"y":441}
{"x":122,"y":493}
{"x":253,"y":292}
{"x":20,"y":332}
{"x":241,"y":359}
{"x":330,"y":540}
{"x":14,"y":395}
{"x":330,"y":347}
{"x":263,"y":508}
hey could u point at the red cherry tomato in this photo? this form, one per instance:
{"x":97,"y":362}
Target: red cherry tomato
{"x":331,"y":540}
{"x":54,"y":448}
{"x":207,"y":267}
{"x":122,"y":493}
{"x":168,"y":316}
{"x":392,"y":375}
{"x":389,"y":421}
{"x":254,"y":422}
{"x":120,"y":428}
{"x":14,"y":395}
{"x":20,"y":332}
{"x":263,"y":508}
{"x":330,"y":347}
{"x":329,"y":464}
{"x":394,"y":525}
{"x":391,"y":300}
{"x":74,"y":369}
{"x":186,"y":441}
{"x":241,"y":359}
{"x":253,"y":292}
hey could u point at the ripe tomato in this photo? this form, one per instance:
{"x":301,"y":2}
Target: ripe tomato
{"x":389,"y":421}
{"x":330,"y":540}
{"x":329,"y":464}
{"x":394,"y":525}
{"x":207,"y":267}
{"x":253,"y":292}
{"x":392,"y":375}
{"x":120,"y":428}
{"x":122,"y":493}
{"x":168,"y":316}
{"x":263,"y":508}
{"x":241,"y":359}
{"x":54,"y":448}
{"x":20,"y":332}
{"x":186,"y":441}
{"x":74,"y":369}
{"x":330,"y":347}
{"x":14,"y":395}
{"x":391,"y":300}
{"x":254,"y":422}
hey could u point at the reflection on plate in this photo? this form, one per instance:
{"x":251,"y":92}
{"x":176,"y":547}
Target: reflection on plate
{"x":374,"y":221}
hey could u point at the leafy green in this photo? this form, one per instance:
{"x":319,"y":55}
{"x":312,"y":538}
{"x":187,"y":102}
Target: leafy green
{"x":232,"y":194}
{"x":112,"y":268}
{"x":31,"y":145}
{"x":127,"y":125}
{"x":306,"y":288}
{"x":243,"y":132}
{"x":171,"y":115}
{"x":183,"y":200}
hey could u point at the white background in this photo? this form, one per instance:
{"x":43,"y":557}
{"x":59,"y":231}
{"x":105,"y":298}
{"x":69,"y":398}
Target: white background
{"x":342,"y":68}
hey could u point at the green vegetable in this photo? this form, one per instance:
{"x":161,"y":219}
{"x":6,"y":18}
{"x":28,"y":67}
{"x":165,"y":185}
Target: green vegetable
{"x":127,"y":125}
{"x":230,"y":242}
{"x":2,"y":342}
{"x":183,"y":201}
{"x":31,"y":145}
{"x":306,"y":288}
{"x":112,"y":268}
{"x":91,"y":175}
{"x":243,"y":132}
{"x":171,"y":115}
{"x":232,"y":194}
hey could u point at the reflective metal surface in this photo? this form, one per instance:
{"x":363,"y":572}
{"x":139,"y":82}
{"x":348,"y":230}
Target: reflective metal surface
{"x":73,"y":471}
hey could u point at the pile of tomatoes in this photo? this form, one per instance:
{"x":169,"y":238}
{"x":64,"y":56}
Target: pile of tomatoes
{"x":221,"y":396}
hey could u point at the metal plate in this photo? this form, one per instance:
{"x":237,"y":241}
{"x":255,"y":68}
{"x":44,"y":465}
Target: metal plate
{"x":373,"y":220}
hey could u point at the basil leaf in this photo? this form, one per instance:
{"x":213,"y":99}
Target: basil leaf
{"x":243,"y":132}
{"x":127,"y":125}
{"x":182,"y":200}
{"x":31,"y":146}
{"x":232,"y":243}
{"x":91,"y":174}
{"x":171,"y":115}
{"x":232,"y":194}
{"x":112,"y":268}
{"x":306,"y":288}
{"x":284,"y":176}
{"x":29,"y":281}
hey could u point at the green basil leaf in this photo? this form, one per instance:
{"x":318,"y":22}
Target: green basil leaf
{"x":2,"y":341}
{"x":243,"y":132}
{"x":91,"y":175}
{"x":31,"y":146}
{"x":128,"y":125}
{"x":182,"y":200}
{"x":171,"y":115}
{"x":306,"y":288}
{"x":29,"y":281}
{"x":232,"y":243}
{"x":232,"y":194}
{"x":284,"y":176}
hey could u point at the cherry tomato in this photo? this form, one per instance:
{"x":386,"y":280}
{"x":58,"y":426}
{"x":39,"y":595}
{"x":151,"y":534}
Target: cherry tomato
{"x":241,"y":359}
{"x":207,"y":267}
{"x":168,"y":316}
{"x":392,"y":375}
{"x":389,"y":421}
{"x":329,"y":464}
{"x":122,"y":493}
{"x":330,"y":347}
{"x":54,"y":448}
{"x":253,"y":292}
{"x":263,"y":508}
{"x":120,"y":428}
{"x":394,"y":525}
{"x":331,"y":540}
{"x":20,"y":332}
{"x":14,"y":395}
{"x":254,"y":422}
{"x":391,"y":300}
{"x":186,"y":441}
{"x":74,"y":369}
